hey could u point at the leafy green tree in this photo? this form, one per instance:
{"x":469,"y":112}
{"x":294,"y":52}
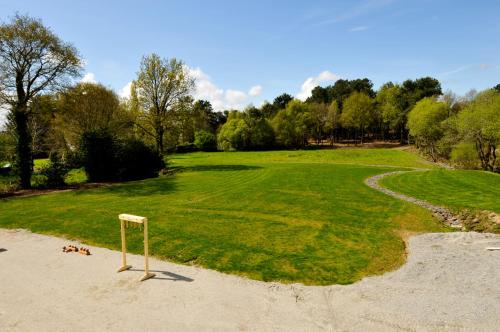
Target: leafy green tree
{"x":332,"y":121}
{"x":358,"y":112}
{"x":205,"y":141}
{"x":425,"y":124}
{"x":464,"y":155}
{"x":7,"y":145}
{"x":389,"y":105}
{"x":42,"y":111}
{"x":291,"y":124}
{"x":262,"y":134}
{"x":479,"y":122}
{"x":318,"y":117}
{"x":90,"y":107}
{"x":161,"y":85}
{"x":248,"y":130}
{"x":281,"y":101}
{"x":234,"y":135}
{"x":340,"y":90}
{"x":268,"y":110}
{"x":413,"y":91}
{"x":33,"y":60}
{"x":319,"y":95}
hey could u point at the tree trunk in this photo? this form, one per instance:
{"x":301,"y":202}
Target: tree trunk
{"x":159,"y":142}
{"x":23,"y":146}
{"x":494,"y":157}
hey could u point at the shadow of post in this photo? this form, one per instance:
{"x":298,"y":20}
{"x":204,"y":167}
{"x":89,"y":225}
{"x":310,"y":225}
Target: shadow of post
{"x":170,"y":275}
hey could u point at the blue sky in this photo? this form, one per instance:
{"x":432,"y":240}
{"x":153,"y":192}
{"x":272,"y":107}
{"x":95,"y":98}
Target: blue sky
{"x":245,"y":52}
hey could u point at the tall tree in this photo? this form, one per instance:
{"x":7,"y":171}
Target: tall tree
{"x":90,"y":107}
{"x":290,"y":125}
{"x":479,"y":122}
{"x":42,"y":111}
{"x":319,"y":95}
{"x":33,"y":60}
{"x":424,"y":123}
{"x":358,"y":112}
{"x":161,"y":85}
{"x":389,"y":105}
{"x":281,"y":101}
{"x":318,"y":116}
{"x":332,"y":121}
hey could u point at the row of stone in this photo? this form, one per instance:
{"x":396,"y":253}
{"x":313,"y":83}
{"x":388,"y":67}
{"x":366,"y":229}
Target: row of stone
{"x":440,"y":212}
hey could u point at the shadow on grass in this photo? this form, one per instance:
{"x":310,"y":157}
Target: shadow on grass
{"x":170,"y":275}
{"x":160,"y":185}
{"x":216,"y":168}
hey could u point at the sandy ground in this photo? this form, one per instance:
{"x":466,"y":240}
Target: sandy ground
{"x":450,"y":283}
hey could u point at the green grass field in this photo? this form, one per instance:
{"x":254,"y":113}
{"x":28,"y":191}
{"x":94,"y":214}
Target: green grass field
{"x":456,"y":189}
{"x":290,"y":216}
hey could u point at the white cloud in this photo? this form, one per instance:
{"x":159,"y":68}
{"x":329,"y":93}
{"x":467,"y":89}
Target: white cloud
{"x":456,"y":71}
{"x":255,"y":90}
{"x":312,"y":82}
{"x":364,"y":8}
{"x":125,"y":91}
{"x":235,"y":97}
{"x":359,"y":29}
{"x":219,"y":98}
{"x":88,"y":78}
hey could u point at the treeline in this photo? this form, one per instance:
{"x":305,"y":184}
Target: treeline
{"x":87,"y":124}
{"x":462,"y":130}
{"x":347,"y":111}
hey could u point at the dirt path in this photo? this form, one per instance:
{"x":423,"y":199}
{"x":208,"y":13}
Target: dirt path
{"x":442,"y":213}
{"x":450,"y":283}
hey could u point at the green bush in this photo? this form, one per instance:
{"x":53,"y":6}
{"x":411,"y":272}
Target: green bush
{"x":185,"y":148}
{"x":137,"y":160}
{"x":234,"y":135}
{"x":107,"y":159}
{"x":245,"y":133}
{"x":464,"y":155}
{"x":98,"y":150}
{"x":205,"y":141}
{"x":55,"y":171}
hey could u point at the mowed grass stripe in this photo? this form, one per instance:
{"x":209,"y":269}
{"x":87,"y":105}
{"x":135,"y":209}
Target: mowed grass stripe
{"x":456,"y":189}
{"x":253,"y":214}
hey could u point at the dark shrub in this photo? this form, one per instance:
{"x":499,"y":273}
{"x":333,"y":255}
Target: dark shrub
{"x":5,"y":169}
{"x":98,"y":149}
{"x":137,"y":160}
{"x":73,"y":159}
{"x":205,"y":141}
{"x":55,"y":171}
{"x":185,"y":148}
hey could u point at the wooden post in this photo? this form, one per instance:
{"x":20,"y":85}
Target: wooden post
{"x":124,"y":248}
{"x":147,"y":274}
{"x":126,"y":218}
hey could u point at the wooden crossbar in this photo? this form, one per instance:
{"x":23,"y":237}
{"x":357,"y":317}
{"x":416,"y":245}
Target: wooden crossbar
{"x":126,"y":218}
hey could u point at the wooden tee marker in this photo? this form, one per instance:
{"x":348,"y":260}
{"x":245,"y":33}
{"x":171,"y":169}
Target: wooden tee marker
{"x":125,"y":220}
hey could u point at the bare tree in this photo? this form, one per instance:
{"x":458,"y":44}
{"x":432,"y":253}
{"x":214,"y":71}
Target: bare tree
{"x":161,"y":85}
{"x":33,"y":60}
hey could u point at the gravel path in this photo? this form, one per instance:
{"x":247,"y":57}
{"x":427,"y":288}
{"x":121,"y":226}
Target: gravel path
{"x":449,"y":283}
{"x":442,"y":213}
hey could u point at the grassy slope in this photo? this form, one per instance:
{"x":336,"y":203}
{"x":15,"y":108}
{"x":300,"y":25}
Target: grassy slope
{"x":456,"y":189}
{"x":293,"y":216}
